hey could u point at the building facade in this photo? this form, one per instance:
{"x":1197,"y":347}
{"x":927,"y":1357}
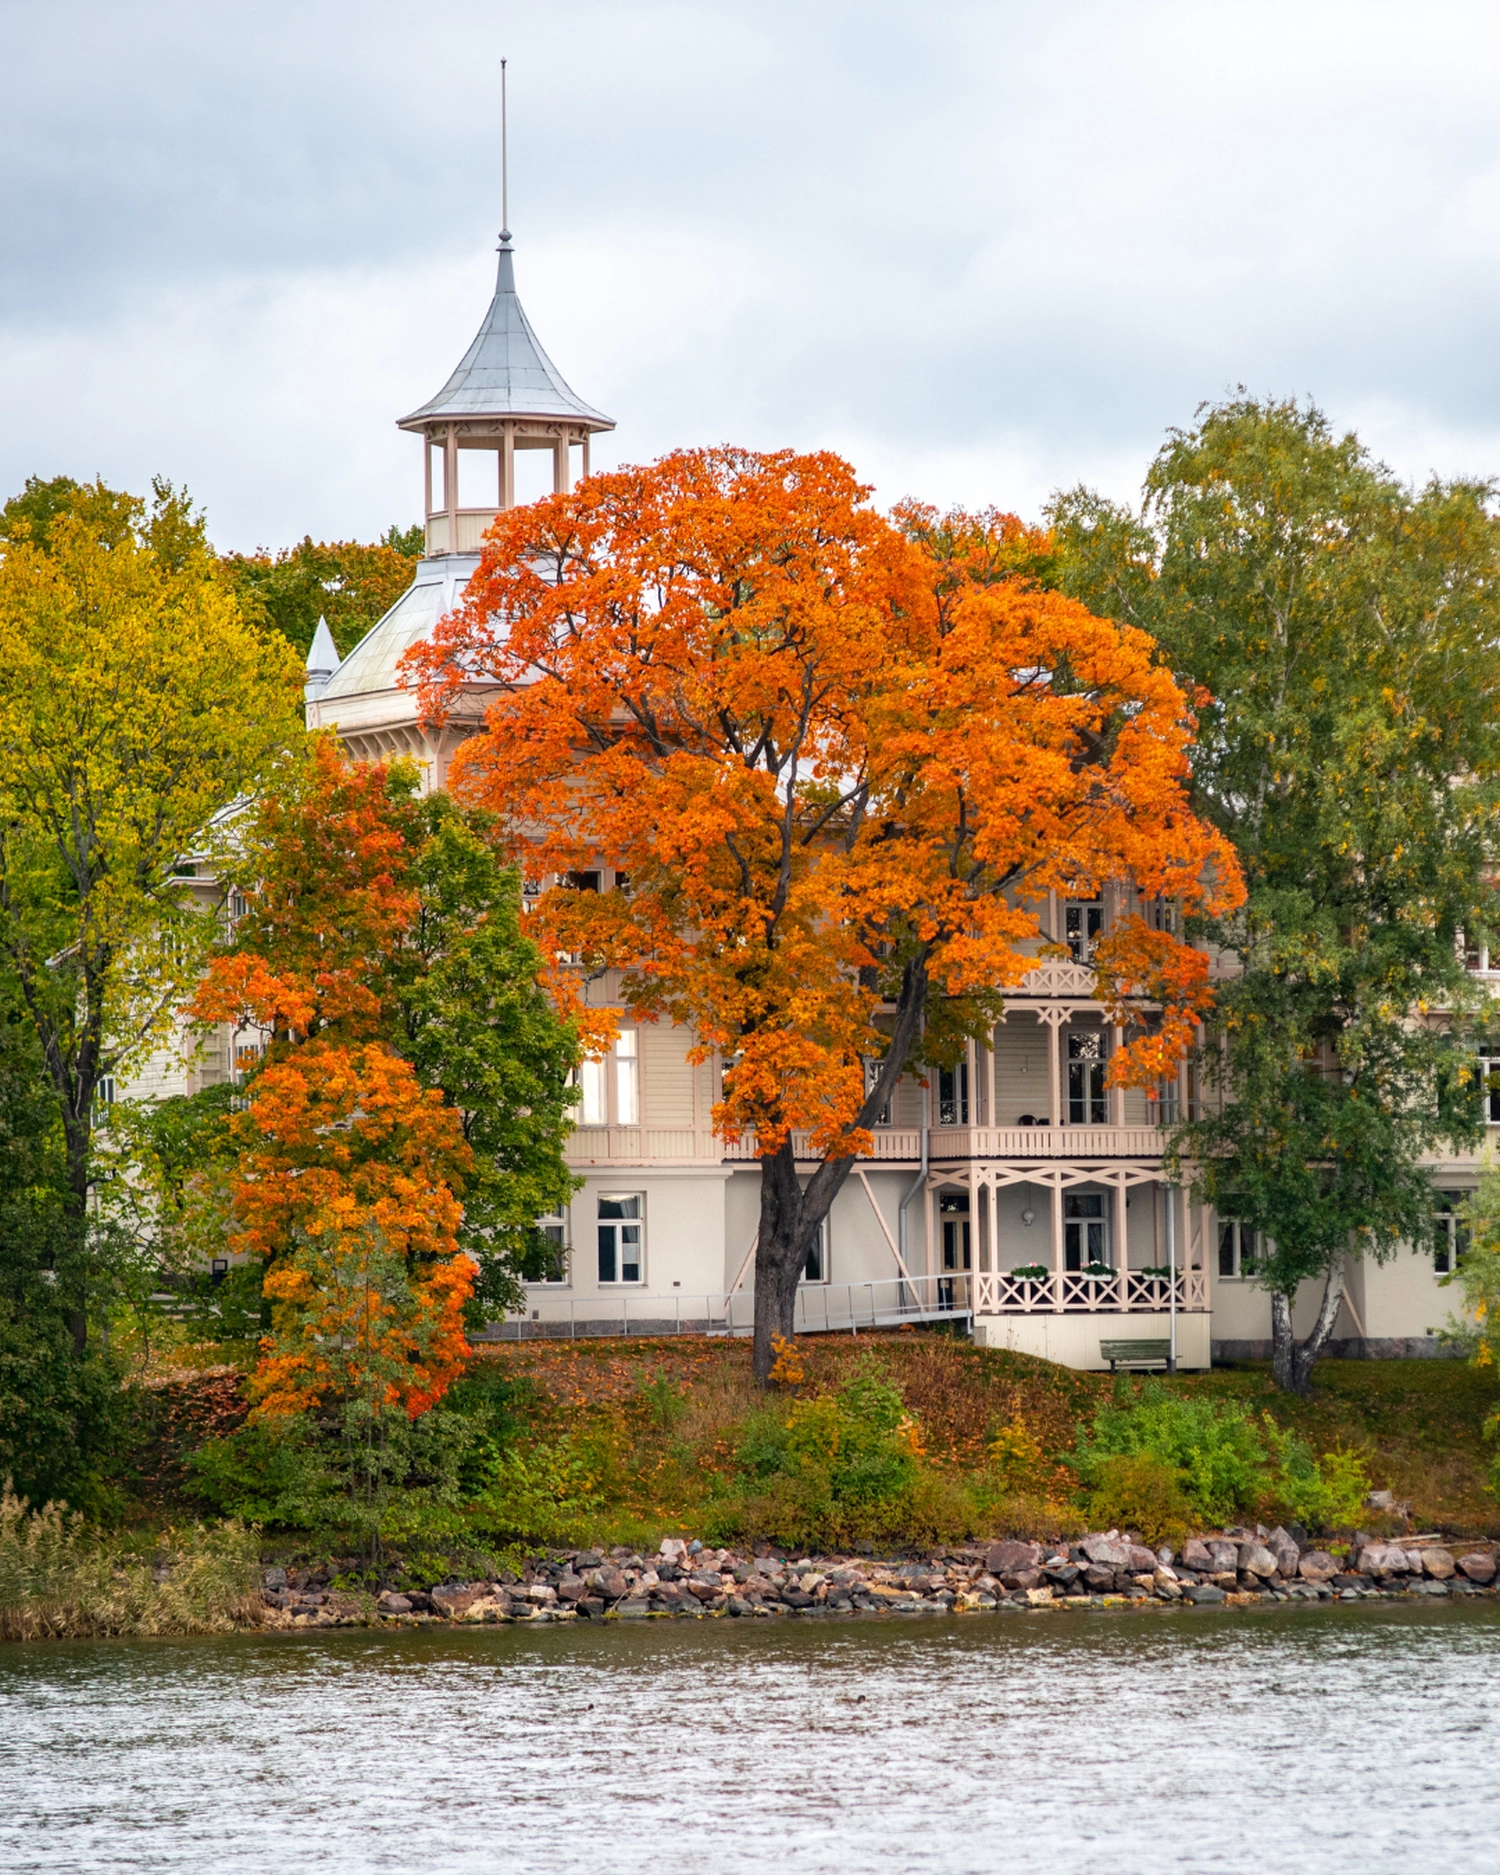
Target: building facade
{"x":1016,"y":1188}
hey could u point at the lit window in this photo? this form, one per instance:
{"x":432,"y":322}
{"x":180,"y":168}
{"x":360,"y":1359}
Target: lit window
{"x":627,"y":1079}
{"x":621,"y":1237}
{"x":593,"y":1093}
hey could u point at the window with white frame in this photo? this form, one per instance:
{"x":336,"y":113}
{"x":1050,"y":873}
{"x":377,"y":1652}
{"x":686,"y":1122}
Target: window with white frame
{"x":555,"y":1263}
{"x":627,"y":1068}
{"x":609,"y":1091}
{"x":1086,"y":1244}
{"x":815,"y":1270}
{"x":1083,"y":922}
{"x":622,"y":1237}
{"x":1489,"y":1080}
{"x":1088,"y":1058}
{"x":1237,"y":1249}
{"x":1452,"y":1233}
{"x":953,"y":1095}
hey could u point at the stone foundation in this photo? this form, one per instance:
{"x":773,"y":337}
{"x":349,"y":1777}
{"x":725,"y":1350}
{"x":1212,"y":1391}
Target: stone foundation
{"x":1352,"y":1348}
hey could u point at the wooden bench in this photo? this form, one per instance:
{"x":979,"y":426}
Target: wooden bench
{"x":1134,"y":1353}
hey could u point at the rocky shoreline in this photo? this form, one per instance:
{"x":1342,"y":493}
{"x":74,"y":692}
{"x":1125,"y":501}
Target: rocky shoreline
{"x":1237,"y":1566}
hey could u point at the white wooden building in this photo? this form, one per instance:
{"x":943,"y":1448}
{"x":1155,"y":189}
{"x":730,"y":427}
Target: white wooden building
{"x":1016,"y":1188}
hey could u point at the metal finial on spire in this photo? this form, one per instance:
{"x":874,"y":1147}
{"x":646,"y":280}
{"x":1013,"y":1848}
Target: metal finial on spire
{"x":504,"y":163}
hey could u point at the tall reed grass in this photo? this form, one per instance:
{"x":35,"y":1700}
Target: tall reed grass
{"x":59,"y":1577}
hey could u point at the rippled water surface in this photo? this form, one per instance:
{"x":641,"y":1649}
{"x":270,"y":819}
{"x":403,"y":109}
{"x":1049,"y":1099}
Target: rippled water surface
{"x":1313,"y":1740}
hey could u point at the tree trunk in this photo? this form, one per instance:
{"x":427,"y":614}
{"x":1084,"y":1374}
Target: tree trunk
{"x":788,"y":1231}
{"x":76,"y":1225}
{"x":1292,"y":1360}
{"x":791,"y":1215}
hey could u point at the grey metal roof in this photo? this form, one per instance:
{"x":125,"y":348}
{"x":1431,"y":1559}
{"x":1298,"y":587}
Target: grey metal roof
{"x":505,"y":372}
{"x":372,"y":665}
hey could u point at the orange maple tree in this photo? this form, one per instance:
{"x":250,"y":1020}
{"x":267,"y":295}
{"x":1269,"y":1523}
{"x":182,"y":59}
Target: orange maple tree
{"x":350,"y":1172}
{"x":840,"y":761}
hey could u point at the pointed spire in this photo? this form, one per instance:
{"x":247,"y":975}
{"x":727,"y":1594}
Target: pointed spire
{"x":322,"y":661}
{"x":505,"y":372}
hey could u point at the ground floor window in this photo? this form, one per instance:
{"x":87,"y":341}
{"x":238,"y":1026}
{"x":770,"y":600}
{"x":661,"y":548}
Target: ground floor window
{"x":555,"y":1264}
{"x":1086,"y":1243}
{"x":957,"y":1243}
{"x":816,"y":1268}
{"x":1452,"y":1231}
{"x":1237,"y":1249}
{"x":622,"y":1239}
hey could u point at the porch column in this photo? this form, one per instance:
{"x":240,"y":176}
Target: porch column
{"x":1057,"y":1237}
{"x":1117,"y":1094}
{"x":560,"y":465}
{"x":994,"y":1232}
{"x":507,"y":464}
{"x":450,"y":484}
{"x":992,"y":1109}
{"x":1055,"y":1021}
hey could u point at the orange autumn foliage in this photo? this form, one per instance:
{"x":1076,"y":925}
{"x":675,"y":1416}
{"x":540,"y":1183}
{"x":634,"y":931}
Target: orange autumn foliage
{"x":842,"y":762}
{"x":350,"y":1172}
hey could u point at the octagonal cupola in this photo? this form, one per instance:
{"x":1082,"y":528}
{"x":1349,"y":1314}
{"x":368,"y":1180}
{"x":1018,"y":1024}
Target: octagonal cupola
{"x":506,"y":395}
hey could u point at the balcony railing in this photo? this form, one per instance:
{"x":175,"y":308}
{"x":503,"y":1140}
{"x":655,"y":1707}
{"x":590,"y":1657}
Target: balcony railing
{"x":1046,"y":1142}
{"x":1123,"y":1292}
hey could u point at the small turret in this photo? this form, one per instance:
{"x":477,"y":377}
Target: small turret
{"x":322,"y":662}
{"x":505,"y":395}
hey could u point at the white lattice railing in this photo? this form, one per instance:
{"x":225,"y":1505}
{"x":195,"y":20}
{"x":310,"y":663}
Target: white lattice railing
{"x":1123,"y":1292}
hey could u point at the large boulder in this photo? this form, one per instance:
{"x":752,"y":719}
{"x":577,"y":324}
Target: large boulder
{"x":1196,"y":1555}
{"x":1224,"y":1556}
{"x":1142,"y":1561}
{"x":1438,"y":1563}
{"x":1383,"y":1559}
{"x":1005,"y":1558}
{"x":1257,"y":1560}
{"x":1317,"y":1566}
{"x":1108,"y":1551}
{"x":454,"y":1602}
{"x":1283,"y":1546}
{"x":1478,"y":1567}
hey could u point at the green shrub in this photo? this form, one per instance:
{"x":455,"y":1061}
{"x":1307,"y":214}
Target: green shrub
{"x":1214,"y":1448}
{"x":1138,"y":1491}
{"x":545,"y":1494}
{"x":842,"y":1467}
{"x":1323,"y":1493}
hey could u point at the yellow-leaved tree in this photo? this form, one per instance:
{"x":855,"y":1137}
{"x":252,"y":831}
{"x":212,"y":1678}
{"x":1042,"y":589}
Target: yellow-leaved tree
{"x":137,"y":704}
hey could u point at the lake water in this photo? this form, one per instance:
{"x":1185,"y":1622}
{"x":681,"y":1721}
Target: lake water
{"x":1311,"y":1740}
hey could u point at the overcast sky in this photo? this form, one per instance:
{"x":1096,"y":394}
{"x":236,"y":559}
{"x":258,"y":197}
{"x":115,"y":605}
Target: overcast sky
{"x":983,"y":249}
